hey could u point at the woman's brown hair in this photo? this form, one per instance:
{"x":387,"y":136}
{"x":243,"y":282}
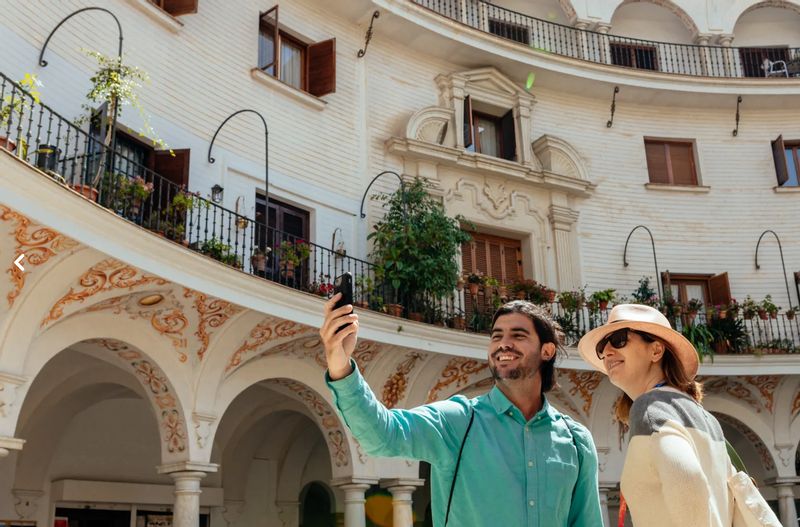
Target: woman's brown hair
{"x":675,"y":377}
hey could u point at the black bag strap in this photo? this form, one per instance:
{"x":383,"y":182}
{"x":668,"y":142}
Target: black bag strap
{"x":458,"y":463}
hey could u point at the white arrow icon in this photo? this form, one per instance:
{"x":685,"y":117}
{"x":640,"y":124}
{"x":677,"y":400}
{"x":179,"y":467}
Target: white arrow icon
{"x":16,"y":262}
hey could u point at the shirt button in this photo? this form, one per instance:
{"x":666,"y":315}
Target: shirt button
{"x":530,"y":503}
{"x":509,"y":413}
{"x":530,"y":463}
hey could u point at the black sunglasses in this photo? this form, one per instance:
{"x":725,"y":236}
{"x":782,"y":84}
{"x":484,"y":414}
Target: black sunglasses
{"x":619,"y":339}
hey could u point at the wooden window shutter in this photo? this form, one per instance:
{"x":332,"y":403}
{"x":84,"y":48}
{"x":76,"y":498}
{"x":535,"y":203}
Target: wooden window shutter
{"x":321,"y":64}
{"x":495,"y":267}
{"x":512,"y":259}
{"x":682,"y":161}
{"x":270,"y":20}
{"x":467,"y":257}
{"x":779,"y":155}
{"x":666,"y":284}
{"x":468,"y":127}
{"x":173,"y":168}
{"x":719,"y":289}
{"x":180,"y":7}
{"x":656,"y":162}
{"x":509,"y":146}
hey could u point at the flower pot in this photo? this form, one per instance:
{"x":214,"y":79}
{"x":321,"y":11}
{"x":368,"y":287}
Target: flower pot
{"x":520,"y":295}
{"x":7,"y":143}
{"x":690,"y":316}
{"x":288,"y":269}
{"x":603,"y":305}
{"x":258,"y":262}
{"x":762,"y":314}
{"x":591,"y":306}
{"x":473,"y":288}
{"x":723,"y":313}
{"x":773,"y":314}
{"x":395,"y":310}
{"x":460,"y":284}
{"x":47,"y":157}
{"x":459,"y":323}
{"x":416,"y":317}
{"x":502,"y":291}
{"x":363,"y":304}
{"x":87,"y":191}
{"x":551,"y":296}
{"x":677,"y":310}
{"x":790,"y":315}
{"x":720,"y":347}
{"x":748,"y":315}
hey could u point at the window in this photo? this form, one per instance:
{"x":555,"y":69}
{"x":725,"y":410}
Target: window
{"x":670,"y":162}
{"x":177,"y":7}
{"x":509,"y":31}
{"x":787,"y":161}
{"x":307,"y":67}
{"x":712,"y":290}
{"x":753,"y":59}
{"x":489,"y":134}
{"x":634,"y":56}
{"x":495,"y":257}
{"x":286,"y":222}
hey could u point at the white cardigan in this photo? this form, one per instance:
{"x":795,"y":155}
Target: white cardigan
{"x":677,"y":467}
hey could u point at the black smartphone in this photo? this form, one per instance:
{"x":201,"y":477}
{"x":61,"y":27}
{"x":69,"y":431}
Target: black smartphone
{"x":343,"y":284}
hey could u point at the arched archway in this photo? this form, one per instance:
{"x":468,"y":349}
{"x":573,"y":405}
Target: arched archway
{"x":317,"y":506}
{"x":655,"y":20}
{"x":754,"y":453}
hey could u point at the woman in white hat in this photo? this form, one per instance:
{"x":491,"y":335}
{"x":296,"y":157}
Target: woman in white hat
{"x":676,"y":468}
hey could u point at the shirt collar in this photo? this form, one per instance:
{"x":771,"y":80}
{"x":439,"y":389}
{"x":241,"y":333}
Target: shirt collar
{"x":502,"y":405}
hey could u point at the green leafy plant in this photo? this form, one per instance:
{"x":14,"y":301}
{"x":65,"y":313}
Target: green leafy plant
{"x":749,"y":307}
{"x":294,"y":251}
{"x":694,"y":305}
{"x":769,"y":306}
{"x":701,"y":338}
{"x":729,"y":334}
{"x":572,"y":300}
{"x":476,"y":278}
{"x":137,"y":188}
{"x":17,"y":103}
{"x":117,"y":85}
{"x":645,"y":294}
{"x":416,"y":245}
{"x":218,"y":250}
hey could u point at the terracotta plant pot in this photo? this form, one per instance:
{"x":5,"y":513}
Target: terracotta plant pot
{"x":603,"y":305}
{"x":362,"y":304}
{"x":473,"y":289}
{"x":259,"y":262}
{"x":502,"y":291}
{"x":551,"y":296}
{"x":723,"y":313}
{"x":520,"y":295}
{"x":288,"y":269}
{"x":773,"y":314}
{"x":87,"y":191}
{"x":7,"y":143}
{"x":416,"y":317}
{"x":459,"y":323}
{"x":762,"y":314}
{"x":790,"y":315}
{"x":396,"y":310}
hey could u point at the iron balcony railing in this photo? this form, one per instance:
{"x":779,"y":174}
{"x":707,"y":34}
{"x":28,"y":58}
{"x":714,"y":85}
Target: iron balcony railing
{"x":42,"y":137}
{"x":601,"y":48}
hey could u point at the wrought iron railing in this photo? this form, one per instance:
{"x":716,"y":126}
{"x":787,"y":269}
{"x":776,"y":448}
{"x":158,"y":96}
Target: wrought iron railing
{"x":664,"y":57}
{"x":42,"y":137}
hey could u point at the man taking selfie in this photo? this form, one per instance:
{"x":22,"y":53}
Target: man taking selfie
{"x":506,"y":458}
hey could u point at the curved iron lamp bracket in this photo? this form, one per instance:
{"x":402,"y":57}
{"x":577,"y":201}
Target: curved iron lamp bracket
{"x":655,"y":260}
{"x":43,"y":63}
{"x":783,"y":264}
{"x":402,"y":189}
{"x":211,"y":160}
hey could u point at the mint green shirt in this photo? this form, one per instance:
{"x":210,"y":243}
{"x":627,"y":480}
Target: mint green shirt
{"x":513,"y":473}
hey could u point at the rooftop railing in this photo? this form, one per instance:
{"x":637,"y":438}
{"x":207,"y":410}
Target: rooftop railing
{"x":124,"y":186}
{"x":601,"y":48}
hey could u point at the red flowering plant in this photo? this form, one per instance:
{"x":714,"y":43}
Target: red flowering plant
{"x":323,"y":286}
{"x":294,"y":251}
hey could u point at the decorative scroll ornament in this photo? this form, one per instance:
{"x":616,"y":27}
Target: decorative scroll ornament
{"x":267,"y":330}
{"x":213,"y":313}
{"x":457,"y":371}
{"x":395,"y":387}
{"x":39,"y":245}
{"x":102,"y":277}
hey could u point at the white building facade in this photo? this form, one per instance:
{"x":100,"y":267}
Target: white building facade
{"x":142,"y":381}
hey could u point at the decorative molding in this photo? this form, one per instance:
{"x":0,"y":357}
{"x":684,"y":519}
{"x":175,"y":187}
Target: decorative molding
{"x":623,"y":427}
{"x":762,"y":450}
{"x":786,"y":453}
{"x":8,"y":391}
{"x":39,"y":244}
{"x":267,"y":330}
{"x":158,"y":388}
{"x":26,"y":502}
{"x":562,"y":218}
{"x":696,"y":189}
{"x":102,"y":277}
{"x":310,"y":101}
{"x":395,"y":387}
{"x":432,"y":125}
{"x":732,"y":387}
{"x":584,"y":383}
{"x":212,"y":313}
{"x":796,"y":404}
{"x":560,"y":157}
{"x":765,"y":384}
{"x":202,"y":427}
{"x":457,"y":371}
{"x":158,"y":14}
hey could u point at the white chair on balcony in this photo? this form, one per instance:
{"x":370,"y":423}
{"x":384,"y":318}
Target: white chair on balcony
{"x":774,"y":68}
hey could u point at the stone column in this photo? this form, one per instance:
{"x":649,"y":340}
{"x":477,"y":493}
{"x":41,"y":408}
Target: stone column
{"x":605,"y":488}
{"x":562,"y":219}
{"x":604,"y":43}
{"x":354,"y":489}
{"x":728,"y":59}
{"x":401,"y":490}
{"x":187,"y":476}
{"x":786,"y":506}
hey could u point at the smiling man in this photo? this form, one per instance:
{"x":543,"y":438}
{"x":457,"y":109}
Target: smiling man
{"x":506,"y":458}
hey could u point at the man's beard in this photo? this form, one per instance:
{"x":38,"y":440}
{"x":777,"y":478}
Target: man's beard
{"x":520,"y":372}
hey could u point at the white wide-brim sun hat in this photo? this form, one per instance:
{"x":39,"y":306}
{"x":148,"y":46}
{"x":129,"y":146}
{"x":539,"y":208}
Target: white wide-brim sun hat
{"x":641,"y":318}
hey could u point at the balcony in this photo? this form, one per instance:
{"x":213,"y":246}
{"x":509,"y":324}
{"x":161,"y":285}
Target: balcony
{"x":600,"y":48}
{"x":143,"y":197}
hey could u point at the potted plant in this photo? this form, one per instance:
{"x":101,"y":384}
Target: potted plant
{"x":322,"y":287}
{"x":220,"y":251}
{"x":12,"y":110}
{"x":457,"y":320}
{"x":530,"y":290}
{"x":733,"y":308}
{"x":292,"y":252}
{"x":258,"y":259}
{"x":138,"y":190}
{"x":749,"y":308}
{"x":475,"y":281}
{"x":768,"y":307}
{"x":571,"y":301}
{"x":489,"y":285}
{"x":364,"y":286}
{"x":645,"y":294}
{"x":416,"y":245}
{"x":603,"y":297}
{"x":791,"y":312}
{"x":114,"y":85}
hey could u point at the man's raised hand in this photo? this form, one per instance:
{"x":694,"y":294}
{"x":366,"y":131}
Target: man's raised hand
{"x":338,"y":346}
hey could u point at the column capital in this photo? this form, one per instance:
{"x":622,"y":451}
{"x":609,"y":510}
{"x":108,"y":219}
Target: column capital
{"x":10,"y":443}
{"x":562,"y":217}
{"x":783,"y":481}
{"x":347,"y":483}
{"x":725,"y":39}
{"x":402,"y":482}
{"x":582,"y":23}
{"x":187,"y":466}
{"x":602,"y":27}
{"x":702,"y":39}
